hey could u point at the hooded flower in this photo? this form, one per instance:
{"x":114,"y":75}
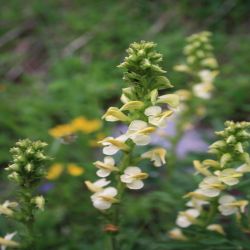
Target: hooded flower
{"x":157,"y":156}
{"x":6,"y":208}
{"x":105,"y":167}
{"x":103,"y":200}
{"x":113,"y":145}
{"x":8,"y":242}
{"x":157,"y":117}
{"x":229,"y":205}
{"x":211,"y":186}
{"x":229,"y":176}
{"x":187,"y":218}
{"x":139,"y":132}
{"x":114,"y":114}
{"x":133,"y":177}
{"x":97,"y":186}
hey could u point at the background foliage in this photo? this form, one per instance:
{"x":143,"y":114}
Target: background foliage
{"x":58,"y":62}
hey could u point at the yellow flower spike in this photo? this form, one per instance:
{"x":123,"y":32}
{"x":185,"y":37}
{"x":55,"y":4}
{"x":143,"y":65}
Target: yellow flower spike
{"x":54,"y":171}
{"x":75,"y":170}
{"x":62,"y":130}
{"x":132,"y":105}
{"x":114,"y":114}
{"x":201,"y":169}
{"x":86,"y":126}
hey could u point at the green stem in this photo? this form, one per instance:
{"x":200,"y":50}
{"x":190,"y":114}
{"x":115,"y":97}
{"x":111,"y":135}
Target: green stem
{"x":27,"y":219}
{"x":125,"y":162}
{"x":211,"y":214}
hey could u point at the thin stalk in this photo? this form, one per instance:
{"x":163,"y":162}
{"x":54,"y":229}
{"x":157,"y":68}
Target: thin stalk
{"x":125,"y":162}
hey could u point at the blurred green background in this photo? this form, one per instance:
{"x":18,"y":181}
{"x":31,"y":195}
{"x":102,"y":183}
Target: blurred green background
{"x":58,"y":62}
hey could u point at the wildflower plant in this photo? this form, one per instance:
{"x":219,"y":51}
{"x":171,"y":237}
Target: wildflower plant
{"x":26,"y":170}
{"x":219,"y":193}
{"x":143,"y":111}
{"x":201,"y":68}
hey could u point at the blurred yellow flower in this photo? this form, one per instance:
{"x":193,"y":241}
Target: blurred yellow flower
{"x":54,"y":171}
{"x":61,"y":130}
{"x":2,"y":87}
{"x":75,"y":170}
{"x":87,"y":126}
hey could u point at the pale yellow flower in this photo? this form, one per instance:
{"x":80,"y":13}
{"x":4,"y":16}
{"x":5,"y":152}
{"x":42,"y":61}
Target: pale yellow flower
{"x":172,"y":100}
{"x":216,"y":228}
{"x":75,"y":170}
{"x":187,"y":218}
{"x":211,"y":186}
{"x":39,"y":201}
{"x":105,"y":167}
{"x":113,"y":145}
{"x":6,"y":208}
{"x":229,"y":176}
{"x":55,"y":171}
{"x":181,"y":68}
{"x":133,"y":177}
{"x":229,"y":205}
{"x":201,"y":168}
{"x":8,"y":242}
{"x":156,"y":116}
{"x":156,"y":155}
{"x":139,"y":132}
{"x":114,"y":114}
{"x":132,"y":105}
{"x":203,"y":90}
{"x":184,"y":94}
{"x":177,"y":234}
{"x":96,"y":186}
{"x":103,"y":199}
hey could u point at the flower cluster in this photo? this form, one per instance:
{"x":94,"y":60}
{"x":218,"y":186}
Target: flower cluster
{"x":27,"y":169}
{"x":28,"y":165}
{"x":202,"y":66}
{"x":220,"y":176}
{"x":143,"y":111}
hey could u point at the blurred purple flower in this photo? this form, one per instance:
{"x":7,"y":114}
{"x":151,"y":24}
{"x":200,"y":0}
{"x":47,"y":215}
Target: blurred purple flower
{"x":191,"y":140}
{"x":46,"y":187}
